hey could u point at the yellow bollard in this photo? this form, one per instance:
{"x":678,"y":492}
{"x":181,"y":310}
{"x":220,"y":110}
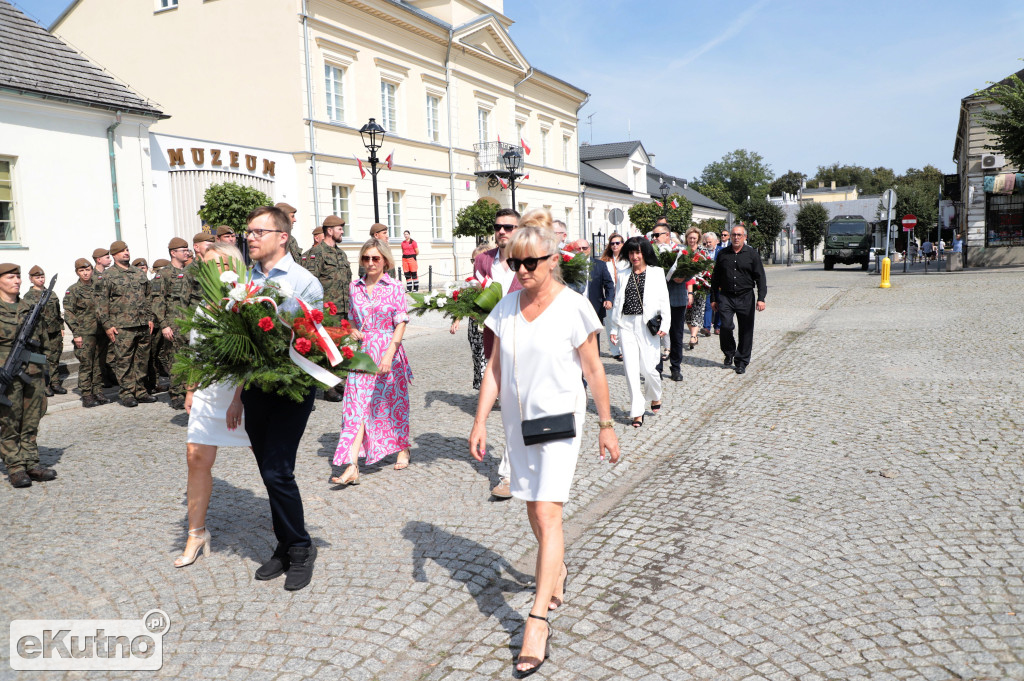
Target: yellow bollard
{"x":885,"y":273}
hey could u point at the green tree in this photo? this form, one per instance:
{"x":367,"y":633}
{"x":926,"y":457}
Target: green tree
{"x":789,"y":182}
{"x":917,"y":193}
{"x":476,"y":220}
{"x":713,"y":225}
{"x":810,"y":222}
{"x":717,"y":193}
{"x":769,"y":218}
{"x":743,"y":173}
{"x":230,"y":203}
{"x":868,"y":181}
{"x":1006,"y":123}
{"x":644,"y":215}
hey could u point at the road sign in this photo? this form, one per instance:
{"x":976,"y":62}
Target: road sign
{"x":615,"y":216}
{"x":909,"y":222}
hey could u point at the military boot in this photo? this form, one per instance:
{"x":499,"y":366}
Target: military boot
{"x":19,"y":478}
{"x":89,"y":401}
{"x":41,"y":473}
{"x":146,"y":398}
{"x":59,"y":389}
{"x":332,"y":395}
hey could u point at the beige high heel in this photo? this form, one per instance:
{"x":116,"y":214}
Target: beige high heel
{"x":185,"y":559}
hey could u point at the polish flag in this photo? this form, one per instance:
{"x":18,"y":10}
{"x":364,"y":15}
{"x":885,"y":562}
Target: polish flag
{"x":390,"y":159}
{"x":362,"y":173}
{"x":526,"y":176}
{"x":755,"y":223}
{"x":659,"y":204}
{"x":504,"y":184}
{"x":675,"y":204}
{"x":525,"y":145}
{"x":499,"y":138}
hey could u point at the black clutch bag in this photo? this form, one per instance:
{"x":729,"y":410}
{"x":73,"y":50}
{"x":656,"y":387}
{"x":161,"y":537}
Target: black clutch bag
{"x":654,"y":324}
{"x":547,"y":428}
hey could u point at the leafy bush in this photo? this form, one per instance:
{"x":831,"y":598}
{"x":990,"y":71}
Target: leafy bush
{"x":229,"y":204}
{"x":476,"y":220}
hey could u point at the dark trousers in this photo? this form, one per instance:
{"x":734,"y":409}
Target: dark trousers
{"x":676,"y":333}
{"x":275,"y":425}
{"x":742,"y":306}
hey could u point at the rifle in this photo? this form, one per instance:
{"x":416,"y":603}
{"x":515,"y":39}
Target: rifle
{"x":26,"y":349}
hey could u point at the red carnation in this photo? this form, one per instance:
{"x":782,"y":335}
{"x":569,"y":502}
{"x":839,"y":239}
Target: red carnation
{"x":266,"y":323}
{"x":346,"y":327}
{"x":696,"y":259}
{"x":347,"y":353}
{"x":455,"y":294}
{"x":303,"y":345}
{"x":332,"y":308}
{"x":566,"y":257}
{"x":316,"y":315}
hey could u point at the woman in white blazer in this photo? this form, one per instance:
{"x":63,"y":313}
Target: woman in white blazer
{"x":641,"y":294}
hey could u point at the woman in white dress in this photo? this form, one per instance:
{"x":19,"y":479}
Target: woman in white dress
{"x":545,"y":344}
{"x":215,"y":420}
{"x":640,"y":296}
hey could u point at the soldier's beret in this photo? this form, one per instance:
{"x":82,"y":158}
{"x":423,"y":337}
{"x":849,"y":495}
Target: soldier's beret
{"x":224,"y":230}
{"x":177,"y":242}
{"x":9,"y":268}
{"x":36,"y":271}
{"x":287,"y":208}
{"x":333,"y":221}
{"x":161,"y":262}
{"x":139,"y":262}
{"x":203,"y":236}
{"x":318,"y":230}
{"x":99,"y":253}
{"x":377,"y":228}
{"x":81,"y":262}
{"x":117,"y":247}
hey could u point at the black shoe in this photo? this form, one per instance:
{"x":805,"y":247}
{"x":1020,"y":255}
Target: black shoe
{"x":49,"y":391}
{"x":19,"y":478}
{"x":516,"y":674}
{"x":301,"y":569}
{"x":727,"y":361}
{"x":89,"y":401}
{"x":333,"y":395}
{"x":178,"y":403}
{"x":146,"y":398}
{"x":101,"y":399}
{"x":42,"y":474}
{"x":275,"y":567}
{"x":677,"y":375}
{"x":741,"y":368}
{"x":59,"y":389}
{"x":129,"y":402}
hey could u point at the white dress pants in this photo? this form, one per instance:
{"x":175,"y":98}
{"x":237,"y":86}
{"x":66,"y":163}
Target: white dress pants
{"x":640,"y":355}
{"x":613,"y":348}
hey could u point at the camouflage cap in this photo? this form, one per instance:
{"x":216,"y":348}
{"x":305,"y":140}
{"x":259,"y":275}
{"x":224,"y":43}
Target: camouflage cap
{"x":177,"y":242}
{"x":81,"y":263}
{"x":224,"y":230}
{"x":117,"y":247}
{"x":36,"y":271}
{"x":99,"y":253}
{"x":333,"y":221}
{"x":287,"y":208}
{"x":203,"y":236}
{"x":9,"y":268}
{"x":139,"y":262}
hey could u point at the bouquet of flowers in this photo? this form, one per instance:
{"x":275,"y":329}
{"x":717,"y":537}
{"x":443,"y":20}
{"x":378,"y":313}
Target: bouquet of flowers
{"x":241,"y":336}
{"x":473,"y":298}
{"x":575,"y":268}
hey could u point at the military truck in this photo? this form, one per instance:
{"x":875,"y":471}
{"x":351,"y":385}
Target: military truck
{"x":848,"y":241}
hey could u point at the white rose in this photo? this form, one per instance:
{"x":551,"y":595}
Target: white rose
{"x":441,"y":301}
{"x":229,"y":277}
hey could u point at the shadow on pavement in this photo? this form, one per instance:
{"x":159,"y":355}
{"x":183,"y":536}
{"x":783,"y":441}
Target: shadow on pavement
{"x":465,"y":402}
{"x":476,"y":566}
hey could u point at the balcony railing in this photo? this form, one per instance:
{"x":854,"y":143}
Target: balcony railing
{"x":489,"y":159}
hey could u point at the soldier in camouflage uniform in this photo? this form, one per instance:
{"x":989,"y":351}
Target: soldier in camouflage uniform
{"x":80,"y":315}
{"x":328,"y":263}
{"x":101,"y":256}
{"x":161,"y":348}
{"x":150,"y":368}
{"x":293,"y":245}
{"x":53,"y":329}
{"x":318,"y":236}
{"x":19,"y":423}
{"x":122,"y":307}
{"x":175,"y":293}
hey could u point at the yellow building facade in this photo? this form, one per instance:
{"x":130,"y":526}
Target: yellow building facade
{"x":300,"y":77}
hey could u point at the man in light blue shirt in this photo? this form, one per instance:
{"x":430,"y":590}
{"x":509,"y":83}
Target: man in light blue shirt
{"x":275,"y":423}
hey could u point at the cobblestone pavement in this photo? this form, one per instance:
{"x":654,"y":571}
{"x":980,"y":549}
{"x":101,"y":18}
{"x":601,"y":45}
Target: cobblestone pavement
{"x":852,"y":507}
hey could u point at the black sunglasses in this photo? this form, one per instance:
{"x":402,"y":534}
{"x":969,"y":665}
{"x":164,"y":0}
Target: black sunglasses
{"x":529,"y":263}
{"x":507,"y":228}
{"x":614,"y":243}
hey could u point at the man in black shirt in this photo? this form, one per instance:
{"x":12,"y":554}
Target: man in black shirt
{"x":738,"y":270}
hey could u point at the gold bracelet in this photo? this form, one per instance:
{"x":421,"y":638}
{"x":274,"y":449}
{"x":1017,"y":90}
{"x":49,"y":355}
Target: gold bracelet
{"x":606,"y":424}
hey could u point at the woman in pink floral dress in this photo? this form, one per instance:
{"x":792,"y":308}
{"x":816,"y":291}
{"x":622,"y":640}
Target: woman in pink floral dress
{"x":376,"y":407}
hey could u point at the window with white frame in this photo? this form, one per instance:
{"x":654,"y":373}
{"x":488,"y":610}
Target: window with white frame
{"x":166,"y":4}
{"x":522,"y":208}
{"x":7,"y":229}
{"x":568,"y":218}
{"x":433,"y":118}
{"x":339,"y":204}
{"x":394,"y":214}
{"x":565,"y":152}
{"x":519,"y":133}
{"x":544,"y":147}
{"x":388,"y":105}
{"x":436,"y":223}
{"x":334,"y":89}
{"x":482,"y":120}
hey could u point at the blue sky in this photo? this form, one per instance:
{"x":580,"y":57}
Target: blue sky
{"x":876,"y":82}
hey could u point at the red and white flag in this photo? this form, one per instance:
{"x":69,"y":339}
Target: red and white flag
{"x":675,"y":204}
{"x":659,"y":204}
{"x":525,"y":145}
{"x":499,"y":138}
{"x":526,"y":176}
{"x":390,"y":159}
{"x":359,"y":162}
{"x":504,"y":184}
{"x":755,"y":223}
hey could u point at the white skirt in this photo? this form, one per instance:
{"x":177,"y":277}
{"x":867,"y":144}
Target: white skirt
{"x":207,"y":424}
{"x":541,"y":472}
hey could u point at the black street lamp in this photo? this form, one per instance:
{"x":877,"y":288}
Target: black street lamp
{"x":514,"y":162}
{"x":664,"y":189}
{"x":375,"y":133}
